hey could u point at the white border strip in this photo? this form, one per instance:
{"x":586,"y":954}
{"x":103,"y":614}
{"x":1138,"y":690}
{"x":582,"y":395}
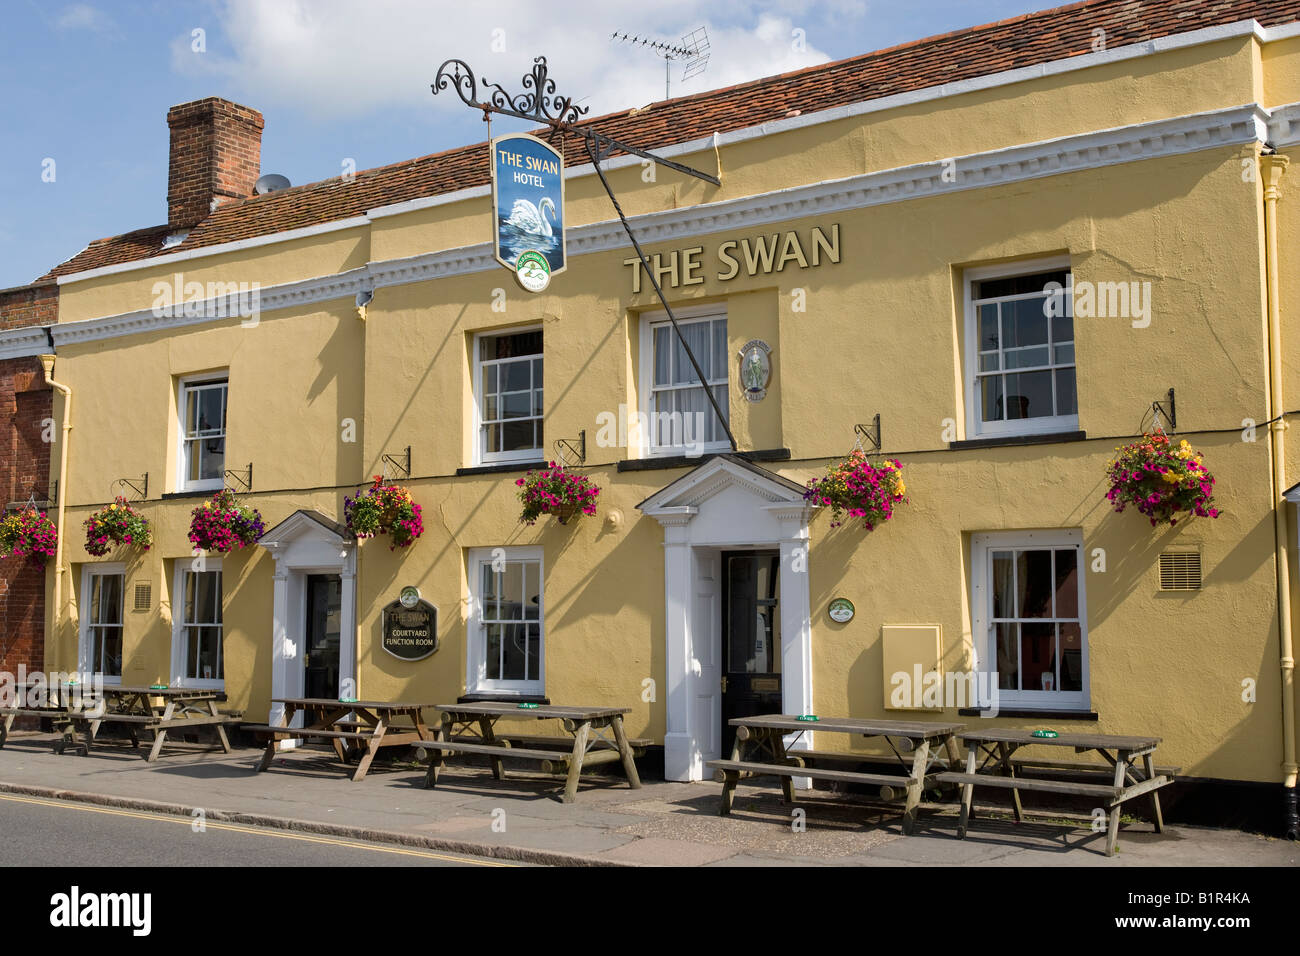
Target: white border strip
{"x":1187,"y":134}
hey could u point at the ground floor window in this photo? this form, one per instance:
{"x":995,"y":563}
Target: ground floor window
{"x":507,"y":621}
{"x":197,"y":627}
{"x":102,"y":590}
{"x":1029,"y":614}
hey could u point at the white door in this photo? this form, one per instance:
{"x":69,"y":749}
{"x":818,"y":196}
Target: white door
{"x":706,"y":641}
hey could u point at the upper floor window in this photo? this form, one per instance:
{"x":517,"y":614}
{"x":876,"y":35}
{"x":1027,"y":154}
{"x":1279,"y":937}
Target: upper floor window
{"x":1020,"y":350}
{"x":203,"y":432}
{"x":678,"y":416}
{"x":508,"y":386}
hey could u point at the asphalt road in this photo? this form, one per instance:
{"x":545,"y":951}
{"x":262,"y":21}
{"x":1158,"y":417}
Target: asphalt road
{"x":39,"y":832}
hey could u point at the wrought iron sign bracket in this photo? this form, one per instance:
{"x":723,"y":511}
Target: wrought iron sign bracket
{"x":401,"y":464}
{"x":540,"y":104}
{"x":870,"y":433}
{"x":141,"y":489}
{"x":572,"y":451}
{"x":1168,"y":409}
{"x":242,"y":475}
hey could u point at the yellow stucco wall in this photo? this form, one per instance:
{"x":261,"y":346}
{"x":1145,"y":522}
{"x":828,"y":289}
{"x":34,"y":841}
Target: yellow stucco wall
{"x":882,"y":332}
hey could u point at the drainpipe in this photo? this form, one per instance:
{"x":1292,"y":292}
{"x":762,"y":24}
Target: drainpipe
{"x":1273,"y":166}
{"x":47,"y":362}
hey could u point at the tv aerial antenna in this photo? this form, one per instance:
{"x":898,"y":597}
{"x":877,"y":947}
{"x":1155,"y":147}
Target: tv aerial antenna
{"x":693,"y":51}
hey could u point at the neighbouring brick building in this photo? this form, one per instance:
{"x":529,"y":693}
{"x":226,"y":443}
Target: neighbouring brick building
{"x":25,"y":412}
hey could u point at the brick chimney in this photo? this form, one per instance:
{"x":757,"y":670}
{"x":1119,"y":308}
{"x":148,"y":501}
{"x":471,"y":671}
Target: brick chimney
{"x":216,"y":156}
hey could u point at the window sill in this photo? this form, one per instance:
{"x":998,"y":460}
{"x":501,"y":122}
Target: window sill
{"x":500,"y":697}
{"x":1047,"y":438}
{"x":1033,"y":714}
{"x":665,"y":462}
{"x":199,"y":493}
{"x":501,"y":468}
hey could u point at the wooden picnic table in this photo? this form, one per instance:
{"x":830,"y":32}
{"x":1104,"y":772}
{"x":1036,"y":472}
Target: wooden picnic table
{"x":589,"y":727}
{"x":770,"y":756}
{"x":990,"y":761}
{"x":372,"y":724}
{"x":79,"y":711}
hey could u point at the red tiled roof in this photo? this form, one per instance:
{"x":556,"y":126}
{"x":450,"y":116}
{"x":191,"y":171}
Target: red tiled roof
{"x":1008,"y":44}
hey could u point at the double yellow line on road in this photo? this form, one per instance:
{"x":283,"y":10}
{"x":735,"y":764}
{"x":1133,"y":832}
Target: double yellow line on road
{"x":255,"y":831}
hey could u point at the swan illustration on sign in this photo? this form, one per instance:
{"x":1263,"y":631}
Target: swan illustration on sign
{"x":526,"y":217}
{"x":528,"y":207}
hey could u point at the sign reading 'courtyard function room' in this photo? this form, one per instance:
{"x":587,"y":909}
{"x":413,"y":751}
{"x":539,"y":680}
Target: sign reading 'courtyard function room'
{"x":410,"y":627}
{"x":528,"y":206}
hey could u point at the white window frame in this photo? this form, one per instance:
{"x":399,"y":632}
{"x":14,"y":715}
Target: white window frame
{"x":88,"y":573}
{"x":503,"y":457}
{"x":180,"y":646}
{"x":976,"y":427}
{"x":184,"y":383}
{"x":645,"y":393}
{"x":983,"y":632}
{"x":476,"y":680}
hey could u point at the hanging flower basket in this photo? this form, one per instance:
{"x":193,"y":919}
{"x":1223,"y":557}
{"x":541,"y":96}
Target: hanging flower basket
{"x":856,"y":488}
{"x":115,"y":525}
{"x":28,"y":532}
{"x":384,"y":509}
{"x":222,"y":524}
{"x":1161,"y":480}
{"x":555,"y":491}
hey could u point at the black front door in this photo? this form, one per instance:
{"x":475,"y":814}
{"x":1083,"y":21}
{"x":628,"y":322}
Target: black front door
{"x":324,"y":610}
{"x":751,"y":637}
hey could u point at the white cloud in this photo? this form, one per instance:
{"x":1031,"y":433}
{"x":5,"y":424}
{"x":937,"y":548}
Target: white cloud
{"x":82,"y":16}
{"x":336,"y":57}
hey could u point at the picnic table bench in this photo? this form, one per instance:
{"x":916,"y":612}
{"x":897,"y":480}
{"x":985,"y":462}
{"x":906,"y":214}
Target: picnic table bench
{"x":990,"y":763}
{"x":588,"y":747}
{"x":766,"y":735}
{"x":78,"y":713}
{"x":372,"y":724}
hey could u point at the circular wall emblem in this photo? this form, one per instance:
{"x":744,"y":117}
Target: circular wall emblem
{"x":841,"y":610}
{"x":409,"y":596}
{"x":533,"y":271}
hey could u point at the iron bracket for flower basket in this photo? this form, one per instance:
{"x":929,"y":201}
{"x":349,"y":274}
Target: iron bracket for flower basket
{"x":871,"y":434}
{"x":243,"y":476}
{"x":401,"y":464}
{"x":49,"y":501}
{"x":1166,"y":408}
{"x":141,"y":490}
{"x":572,"y":451}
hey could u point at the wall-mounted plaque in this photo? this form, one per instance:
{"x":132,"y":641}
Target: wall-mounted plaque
{"x":410,"y":633}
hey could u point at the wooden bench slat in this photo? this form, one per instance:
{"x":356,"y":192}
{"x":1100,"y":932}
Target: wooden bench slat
{"x":636,"y":743}
{"x":304,"y":732}
{"x":1081,"y":767}
{"x":1024,"y":783}
{"x":457,"y":746}
{"x":768,"y":769}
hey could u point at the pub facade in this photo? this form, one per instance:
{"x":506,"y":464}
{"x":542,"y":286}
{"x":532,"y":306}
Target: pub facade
{"x":993,"y":282}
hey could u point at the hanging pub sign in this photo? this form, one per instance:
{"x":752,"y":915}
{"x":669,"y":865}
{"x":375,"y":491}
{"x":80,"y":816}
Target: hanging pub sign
{"x":528,"y":204}
{"x":410,"y":627}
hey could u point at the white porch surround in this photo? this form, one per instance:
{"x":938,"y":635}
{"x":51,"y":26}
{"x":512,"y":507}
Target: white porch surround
{"x":308,"y":542}
{"x":728,"y":503}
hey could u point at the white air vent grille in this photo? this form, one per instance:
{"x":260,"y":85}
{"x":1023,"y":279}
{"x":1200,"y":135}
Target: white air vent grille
{"x":1180,"y":571}
{"x":143,"y":596}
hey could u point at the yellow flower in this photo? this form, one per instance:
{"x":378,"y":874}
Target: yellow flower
{"x":1172,"y":477}
{"x":902,"y":488}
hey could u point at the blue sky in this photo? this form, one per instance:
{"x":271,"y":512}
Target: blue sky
{"x":87,"y":85}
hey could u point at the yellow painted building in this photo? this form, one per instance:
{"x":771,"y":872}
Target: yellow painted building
{"x":890,"y":249}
